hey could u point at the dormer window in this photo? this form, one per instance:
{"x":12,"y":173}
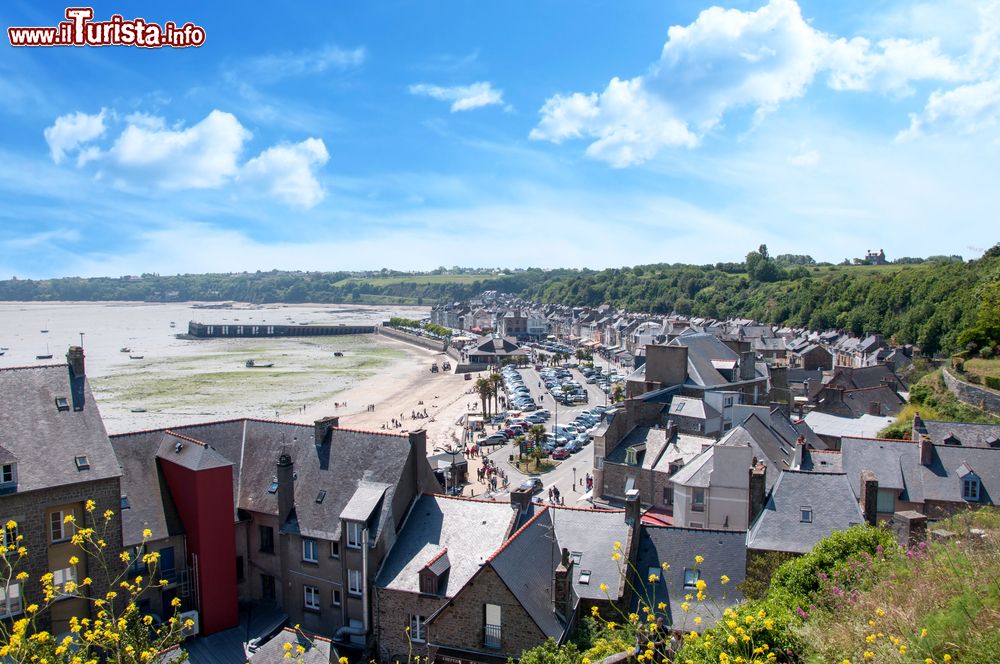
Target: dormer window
{"x":952,"y":439}
{"x":62,"y":403}
{"x":8,"y":474}
{"x":971,"y":488}
{"x":993,"y":442}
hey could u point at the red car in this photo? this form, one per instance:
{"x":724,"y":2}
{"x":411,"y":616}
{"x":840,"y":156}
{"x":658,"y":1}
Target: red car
{"x":560,"y":453}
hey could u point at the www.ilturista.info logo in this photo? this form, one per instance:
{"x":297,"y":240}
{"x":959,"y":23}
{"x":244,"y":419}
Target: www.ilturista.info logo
{"x":81,"y":30}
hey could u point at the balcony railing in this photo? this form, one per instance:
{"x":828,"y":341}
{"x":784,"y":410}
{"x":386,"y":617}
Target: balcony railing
{"x":491,"y":636}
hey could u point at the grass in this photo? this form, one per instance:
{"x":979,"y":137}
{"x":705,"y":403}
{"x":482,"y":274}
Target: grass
{"x":982,"y":368}
{"x":950,"y":588}
{"x":933,"y":401}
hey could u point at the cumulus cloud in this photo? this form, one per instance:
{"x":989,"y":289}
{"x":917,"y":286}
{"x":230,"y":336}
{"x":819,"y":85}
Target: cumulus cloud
{"x":71,"y":131}
{"x":729,"y":59}
{"x":463,"y":97}
{"x":207,"y":155}
{"x":966,"y":109}
{"x":287,"y":172}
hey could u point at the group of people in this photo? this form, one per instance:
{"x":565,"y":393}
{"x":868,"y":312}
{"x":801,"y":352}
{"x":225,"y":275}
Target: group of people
{"x":343,"y":404}
{"x":492,"y":475}
{"x":589,"y":481}
{"x":554,"y":497}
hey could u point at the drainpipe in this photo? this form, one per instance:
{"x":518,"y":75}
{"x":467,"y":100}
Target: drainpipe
{"x":364,"y":578}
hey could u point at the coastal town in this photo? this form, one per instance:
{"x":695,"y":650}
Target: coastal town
{"x":471,"y":515}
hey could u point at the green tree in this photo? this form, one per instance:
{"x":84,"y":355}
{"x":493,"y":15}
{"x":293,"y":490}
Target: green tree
{"x":484,"y":388}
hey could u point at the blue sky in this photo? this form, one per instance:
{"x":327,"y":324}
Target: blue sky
{"x":551,"y":133}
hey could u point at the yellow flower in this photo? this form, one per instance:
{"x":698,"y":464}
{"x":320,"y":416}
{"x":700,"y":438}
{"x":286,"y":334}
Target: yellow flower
{"x":868,"y":654}
{"x":724,"y":579}
{"x":928,"y":660}
{"x":343,"y":660}
{"x":611,"y":626}
{"x":287,"y":646}
{"x":11,"y":524}
{"x":700,"y":584}
{"x":633,"y":617}
{"x":585,"y":660}
{"x":685,"y":607}
{"x":661,"y":606}
{"x":593,"y":610}
{"x":618,"y":545}
{"x":846,"y":661}
{"x":947,"y":657}
{"x":923,"y":632}
{"x":147,"y":533}
{"x":666,"y":567}
{"x":616,"y":556}
{"x":90,"y":505}
{"x":603,"y":587}
{"x":697,"y":620}
{"x":879,"y":612}
{"x":73,"y":560}
{"x":698,"y":560}
{"x":902,"y":650}
{"x":653,"y":578}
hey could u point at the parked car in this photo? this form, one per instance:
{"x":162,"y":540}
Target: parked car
{"x":533,"y":483}
{"x":573,"y":447}
{"x":560,"y":453}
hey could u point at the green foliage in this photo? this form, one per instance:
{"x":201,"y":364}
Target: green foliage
{"x":800,"y":578}
{"x":550,"y":653}
{"x":934,"y":401}
{"x":763,"y":626}
{"x":760,"y":568}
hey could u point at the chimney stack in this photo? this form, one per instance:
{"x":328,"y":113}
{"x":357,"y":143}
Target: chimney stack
{"x":926,"y":450}
{"x":286,"y":487}
{"x":418,"y":445}
{"x":919,"y":428}
{"x":520,"y":499}
{"x":874,"y":408}
{"x":748,"y":369}
{"x":323,"y":428}
{"x":758,"y":490}
{"x":869,"y":497}
{"x":632,"y":508}
{"x":564,"y":586}
{"x":800,"y":450}
{"x":74,"y":357}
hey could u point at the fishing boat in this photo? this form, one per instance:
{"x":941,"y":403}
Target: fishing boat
{"x":173,"y":324}
{"x":46,"y":356}
{"x":135,"y":357}
{"x":125,"y":349}
{"x":253,"y":364}
{"x":139,"y":410}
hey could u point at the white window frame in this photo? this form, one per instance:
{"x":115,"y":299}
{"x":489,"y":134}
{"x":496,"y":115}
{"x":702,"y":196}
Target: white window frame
{"x":418,"y":628}
{"x":353,"y":535}
{"x":310,"y":597}
{"x":806,"y":514}
{"x":310,"y":550}
{"x":335,"y":598}
{"x":60,"y":577}
{"x":57,"y":518}
{"x":12,"y":467}
{"x":11,"y":600}
{"x":335,"y":549}
{"x":354,"y":582}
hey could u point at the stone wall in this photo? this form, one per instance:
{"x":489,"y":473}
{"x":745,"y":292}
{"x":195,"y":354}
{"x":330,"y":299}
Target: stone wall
{"x":461,"y":624}
{"x":974,"y":395}
{"x":423,"y":342}
{"x":393,"y":609}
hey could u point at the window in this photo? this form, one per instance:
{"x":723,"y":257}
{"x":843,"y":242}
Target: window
{"x":310,"y":551}
{"x":168,"y":568}
{"x":727,"y":402}
{"x":61,"y":577}
{"x":267,"y":587}
{"x":354,"y":581}
{"x":82,"y":462}
{"x":124,"y":503}
{"x":807,"y":514}
{"x":653,"y":574}
{"x":970,"y":488}
{"x":354,"y":534}
{"x":668,"y":495}
{"x":695,"y":524}
{"x":698,"y":500}
{"x":62,"y":403}
{"x":10,"y":600}
{"x":418,"y":630}
{"x":335,"y":549}
{"x":321,"y":496}
{"x":691,"y":577}
{"x":266,"y":534}
{"x":311,"y":600}
{"x":886,"y":501}
{"x":59,"y":529}
{"x":273,"y":488}
{"x":491,"y":627}
{"x":8,"y":474}
{"x":680,"y":406}
{"x":240,"y":577}
{"x":336,"y":597}
{"x":138,"y":565}
{"x":585,"y":576}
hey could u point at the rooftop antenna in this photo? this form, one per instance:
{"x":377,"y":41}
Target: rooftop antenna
{"x":81,"y":340}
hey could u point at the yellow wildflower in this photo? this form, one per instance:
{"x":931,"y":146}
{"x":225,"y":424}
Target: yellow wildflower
{"x":923,"y":632}
{"x":724,"y":579}
{"x":697,"y":620}
{"x":147,"y":533}
{"x":699,"y":560}
{"x":603,"y":587}
{"x":618,"y":545}
{"x":666,"y":567}
{"x":653,"y":578}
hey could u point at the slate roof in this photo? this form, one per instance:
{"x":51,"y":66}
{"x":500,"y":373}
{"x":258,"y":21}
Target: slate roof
{"x":348,"y":459}
{"x":969,"y":435}
{"x":692,"y":407}
{"x":866,"y":426}
{"x":470,"y":530}
{"x":526,"y":564}
{"x":653,"y":438}
{"x":828,"y":496}
{"x":702,"y":349}
{"x":44,"y":440}
{"x":821,"y":461}
{"x":150,"y":503}
{"x":317,"y":649}
{"x":896,"y":465}
{"x":724,"y":552}
{"x":593,"y":534}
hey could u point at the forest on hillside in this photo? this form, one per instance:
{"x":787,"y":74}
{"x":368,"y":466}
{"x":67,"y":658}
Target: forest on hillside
{"x":940,"y":304}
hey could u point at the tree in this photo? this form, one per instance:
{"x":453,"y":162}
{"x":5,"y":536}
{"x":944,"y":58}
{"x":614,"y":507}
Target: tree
{"x":484,"y":388}
{"x":537,"y":435}
{"x":618,"y":392}
{"x":496,"y":380}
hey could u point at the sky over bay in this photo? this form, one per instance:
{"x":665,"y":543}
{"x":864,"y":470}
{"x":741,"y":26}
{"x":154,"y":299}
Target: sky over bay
{"x":555,"y":133}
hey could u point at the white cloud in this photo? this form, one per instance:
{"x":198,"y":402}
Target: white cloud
{"x":730,"y":59}
{"x":276,"y":66}
{"x":806,"y":158}
{"x":287,"y":172}
{"x":965,"y":109}
{"x":463,"y":97}
{"x":202,"y":156}
{"x":71,"y":131}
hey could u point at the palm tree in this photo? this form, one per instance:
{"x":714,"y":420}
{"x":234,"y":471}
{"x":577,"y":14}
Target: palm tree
{"x":537,"y":434}
{"x":496,"y":380}
{"x":542,"y":358}
{"x":485,"y":390}
{"x":618,"y":392}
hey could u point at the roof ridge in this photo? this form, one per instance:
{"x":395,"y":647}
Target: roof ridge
{"x":467,"y":499}
{"x":520,"y":530}
{"x":587,"y":509}
{"x":187,"y":438}
{"x":862,"y":389}
{"x":377,"y":433}
{"x":810,"y":472}
{"x":699,"y":530}
{"x":888,"y":440}
{"x":436,"y":557}
{"x":35,"y":366}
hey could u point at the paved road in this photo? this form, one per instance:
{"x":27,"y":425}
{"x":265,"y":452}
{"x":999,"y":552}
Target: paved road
{"x":570,"y":473}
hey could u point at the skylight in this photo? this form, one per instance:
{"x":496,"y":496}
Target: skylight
{"x":321,"y":495}
{"x":274,"y":487}
{"x":62,"y":403}
{"x":585,"y":576}
{"x":82,"y":462}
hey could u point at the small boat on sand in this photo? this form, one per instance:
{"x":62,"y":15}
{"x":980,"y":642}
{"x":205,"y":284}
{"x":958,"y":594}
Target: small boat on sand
{"x":136,"y":357}
{"x":125,"y":349}
{"x":253,"y":364}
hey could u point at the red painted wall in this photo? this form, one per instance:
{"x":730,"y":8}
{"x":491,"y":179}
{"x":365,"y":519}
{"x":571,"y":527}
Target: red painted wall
{"x":204,"y":499}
